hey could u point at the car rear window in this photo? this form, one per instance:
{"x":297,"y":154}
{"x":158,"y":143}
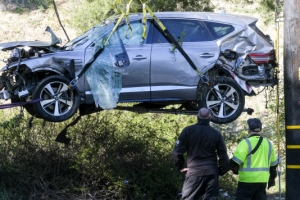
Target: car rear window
{"x":184,"y":30}
{"x":219,"y":30}
{"x":259,"y":32}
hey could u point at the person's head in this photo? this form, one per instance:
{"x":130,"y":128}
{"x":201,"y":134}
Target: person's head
{"x":254,"y":125}
{"x":204,"y":113}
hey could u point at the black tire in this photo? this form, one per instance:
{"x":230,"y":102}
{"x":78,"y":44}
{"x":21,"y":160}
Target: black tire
{"x":58,"y":103}
{"x":225,"y":98}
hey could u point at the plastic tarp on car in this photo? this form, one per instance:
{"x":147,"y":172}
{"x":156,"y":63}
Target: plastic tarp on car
{"x":103,"y":76}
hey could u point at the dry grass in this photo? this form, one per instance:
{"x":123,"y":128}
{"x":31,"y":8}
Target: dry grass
{"x":31,"y":24}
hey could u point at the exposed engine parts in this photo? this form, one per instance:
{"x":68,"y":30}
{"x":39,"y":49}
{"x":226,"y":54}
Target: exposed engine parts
{"x":23,"y":53}
{"x":250,"y":67}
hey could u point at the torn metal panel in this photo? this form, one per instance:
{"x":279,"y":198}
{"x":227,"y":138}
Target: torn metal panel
{"x":247,"y":40}
{"x":243,"y":43}
{"x":40,"y":44}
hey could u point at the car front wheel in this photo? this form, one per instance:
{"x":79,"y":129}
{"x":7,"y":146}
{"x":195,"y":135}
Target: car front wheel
{"x":225,"y":99}
{"x":58,"y":102}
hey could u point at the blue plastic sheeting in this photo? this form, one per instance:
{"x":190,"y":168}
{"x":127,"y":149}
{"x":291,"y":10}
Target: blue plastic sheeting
{"x":104,"y":78}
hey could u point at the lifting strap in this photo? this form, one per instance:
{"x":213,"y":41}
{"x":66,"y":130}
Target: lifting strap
{"x":127,"y":19}
{"x":144,"y":21}
{"x":61,"y":137}
{"x":12,"y":105}
{"x":114,"y":7}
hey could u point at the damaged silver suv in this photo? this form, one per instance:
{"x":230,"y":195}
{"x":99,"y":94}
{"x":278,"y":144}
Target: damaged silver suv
{"x":137,"y":68}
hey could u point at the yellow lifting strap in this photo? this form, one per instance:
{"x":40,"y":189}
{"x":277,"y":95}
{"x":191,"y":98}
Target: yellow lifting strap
{"x":277,"y":99}
{"x":155,"y":18}
{"x":114,"y":7}
{"x":144,"y":22}
{"x":126,"y":14}
{"x":127,"y":19}
{"x":115,"y":28}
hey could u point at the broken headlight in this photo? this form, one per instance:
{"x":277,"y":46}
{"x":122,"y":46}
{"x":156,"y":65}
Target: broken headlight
{"x":16,"y":53}
{"x":14,"y":56}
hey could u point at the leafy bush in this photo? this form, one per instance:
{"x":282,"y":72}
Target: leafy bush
{"x":91,"y":12}
{"x":30,"y":4}
{"x":112,"y":155}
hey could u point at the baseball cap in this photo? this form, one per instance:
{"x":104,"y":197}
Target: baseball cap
{"x":254,"y":124}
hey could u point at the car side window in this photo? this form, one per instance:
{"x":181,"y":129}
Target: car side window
{"x":186,"y":30}
{"x":219,"y":30}
{"x":133,"y":36}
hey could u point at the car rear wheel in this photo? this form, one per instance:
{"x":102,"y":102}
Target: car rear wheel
{"x":58,"y":102}
{"x":225,"y":99}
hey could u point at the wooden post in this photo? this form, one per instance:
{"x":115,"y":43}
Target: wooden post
{"x":292,"y":96}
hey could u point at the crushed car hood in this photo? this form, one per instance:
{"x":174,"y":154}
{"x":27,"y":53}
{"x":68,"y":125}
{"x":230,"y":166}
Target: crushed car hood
{"x":12,"y":45}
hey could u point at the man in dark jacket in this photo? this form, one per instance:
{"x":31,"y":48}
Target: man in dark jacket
{"x":204,"y":145}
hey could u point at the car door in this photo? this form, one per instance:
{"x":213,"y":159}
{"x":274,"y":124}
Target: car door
{"x":171,"y":75}
{"x":136,"y":77}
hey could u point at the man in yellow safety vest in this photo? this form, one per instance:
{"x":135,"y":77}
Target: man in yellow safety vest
{"x":255,"y":162}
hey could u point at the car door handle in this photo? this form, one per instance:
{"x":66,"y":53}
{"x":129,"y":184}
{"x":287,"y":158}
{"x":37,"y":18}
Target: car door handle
{"x":206,"y":55}
{"x":139,"y":57}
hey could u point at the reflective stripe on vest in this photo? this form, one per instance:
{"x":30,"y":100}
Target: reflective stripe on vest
{"x":248,"y":167}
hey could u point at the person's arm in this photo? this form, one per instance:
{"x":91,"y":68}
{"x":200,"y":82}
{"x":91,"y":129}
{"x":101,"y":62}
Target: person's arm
{"x":178,"y":152}
{"x":238,"y":158}
{"x":273,"y":175}
{"x":234,"y":167}
{"x":240,"y":153}
{"x":223,"y":157}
